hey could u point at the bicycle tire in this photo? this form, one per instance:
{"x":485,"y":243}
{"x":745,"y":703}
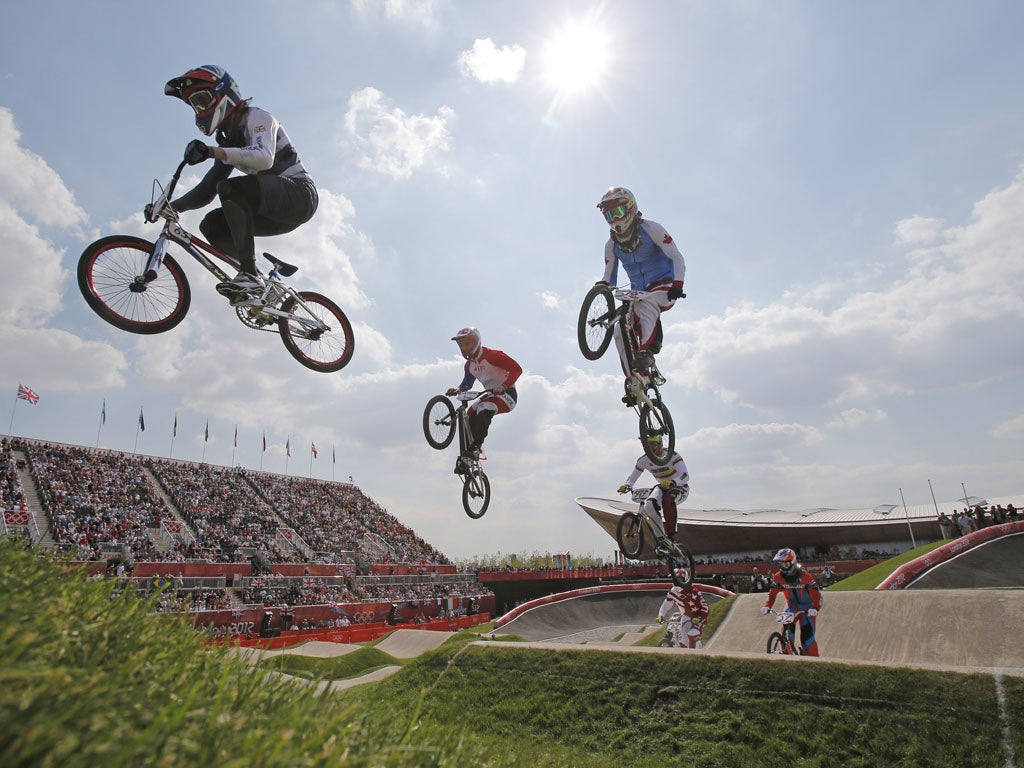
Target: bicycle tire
{"x":682,"y":561}
{"x":591,"y":334}
{"x":655,"y":419}
{"x":476,"y":500}
{"x":439,"y":422}
{"x":666,"y":642}
{"x":629,"y":534}
{"x":324,"y":351}
{"x":776,"y":644}
{"x":109,"y":272}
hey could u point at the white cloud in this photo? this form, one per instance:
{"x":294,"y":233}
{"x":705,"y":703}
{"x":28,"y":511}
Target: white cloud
{"x":30,"y":185}
{"x":392,"y":142}
{"x":1013,"y":429}
{"x":951,"y":321}
{"x":423,"y":12}
{"x":550,"y":300}
{"x":489,"y":64}
{"x":918,"y":230}
{"x":853,"y":418}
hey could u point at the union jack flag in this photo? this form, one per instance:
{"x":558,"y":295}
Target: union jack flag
{"x":24,"y":393}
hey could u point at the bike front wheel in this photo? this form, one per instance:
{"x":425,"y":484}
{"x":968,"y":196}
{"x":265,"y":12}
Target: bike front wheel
{"x":111,"y":277}
{"x":629,"y":534}
{"x":681,"y":566}
{"x":316,"y":332}
{"x":476,"y":493}
{"x":594,"y":327}
{"x":666,"y":642}
{"x":439,"y":422}
{"x":780,"y":644}
{"x":656,"y":421}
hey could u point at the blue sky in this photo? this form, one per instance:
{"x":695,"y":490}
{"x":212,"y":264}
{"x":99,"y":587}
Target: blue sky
{"x":845,"y":181}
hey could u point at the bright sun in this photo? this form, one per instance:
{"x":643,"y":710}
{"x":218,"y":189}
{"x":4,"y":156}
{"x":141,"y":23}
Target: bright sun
{"x":576,"y":57}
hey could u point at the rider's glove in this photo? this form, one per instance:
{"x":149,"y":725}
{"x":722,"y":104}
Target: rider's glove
{"x":452,"y":391}
{"x":602,"y":282}
{"x":676,"y":291}
{"x":812,"y":611}
{"x":764,"y":610}
{"x":625,"y":488}
{"x":148,"y":212}
{"x":196,"y":152}
{"x":660,"y":619}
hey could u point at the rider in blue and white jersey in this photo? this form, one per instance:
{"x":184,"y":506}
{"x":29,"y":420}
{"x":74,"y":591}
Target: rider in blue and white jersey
{"x":653,"y":263}
{"x":276,"y":194}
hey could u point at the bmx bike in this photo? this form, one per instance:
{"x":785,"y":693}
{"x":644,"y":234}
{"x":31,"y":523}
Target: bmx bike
{"x":595,"y":327}
{"x":783,"y":641}
{"x":441,"y":420}
{"x":137,"y":286}
{"x":677,"y":630}
{"x":634,"y":528}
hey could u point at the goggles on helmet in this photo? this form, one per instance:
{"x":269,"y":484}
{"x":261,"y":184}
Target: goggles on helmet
{"x":613,"y":214}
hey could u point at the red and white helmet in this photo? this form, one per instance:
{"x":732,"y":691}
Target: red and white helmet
{"x":786,"y":559}
{"x":468,"y":340}
{"x":619,"y":208}
{"x":210,"y":91}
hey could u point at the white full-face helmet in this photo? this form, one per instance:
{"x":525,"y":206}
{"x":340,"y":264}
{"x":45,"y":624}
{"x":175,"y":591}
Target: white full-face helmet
{"x":468,"y":340}
{"x":619,"y":208}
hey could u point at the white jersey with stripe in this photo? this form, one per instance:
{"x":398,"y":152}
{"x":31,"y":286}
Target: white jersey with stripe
{"x":673,"y":473}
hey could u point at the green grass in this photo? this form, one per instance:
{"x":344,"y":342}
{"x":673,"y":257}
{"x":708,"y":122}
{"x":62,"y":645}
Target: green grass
{"x":871,"y":577}
{"x":355,"y":664}
{"x":91,"y":680}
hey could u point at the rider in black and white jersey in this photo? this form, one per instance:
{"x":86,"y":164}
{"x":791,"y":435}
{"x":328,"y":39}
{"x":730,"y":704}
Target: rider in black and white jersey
{"x":276,"y":194}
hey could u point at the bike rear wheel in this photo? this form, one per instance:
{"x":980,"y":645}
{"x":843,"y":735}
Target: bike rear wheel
{"x":476,"y":493}
{"x":326,"y":346}
{"x":656,"y":421}
{"x":593,"y":329}
{"x":630,"y":534}
{"x":439,"y":422}
{"x":681,"y":566}
{"x":111,"y":279}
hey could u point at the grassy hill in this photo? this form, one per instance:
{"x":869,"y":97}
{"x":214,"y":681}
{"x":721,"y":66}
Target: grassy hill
{"x":91,"y":678}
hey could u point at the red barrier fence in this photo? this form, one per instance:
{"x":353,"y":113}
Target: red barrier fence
{"x":603,"y":589}
{"x":903,"y":576}
{"x":364,"y":633}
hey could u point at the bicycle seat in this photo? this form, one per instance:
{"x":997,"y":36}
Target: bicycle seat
{"x":284,"y":269}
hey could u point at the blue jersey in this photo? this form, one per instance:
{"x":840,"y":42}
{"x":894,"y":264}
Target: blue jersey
{"x":656,"y":259}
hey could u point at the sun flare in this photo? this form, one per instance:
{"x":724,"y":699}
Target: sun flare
{"x":576,"y":57}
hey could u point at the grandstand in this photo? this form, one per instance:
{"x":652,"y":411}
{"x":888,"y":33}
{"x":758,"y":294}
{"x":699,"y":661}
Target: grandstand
{"x":244,"y":552}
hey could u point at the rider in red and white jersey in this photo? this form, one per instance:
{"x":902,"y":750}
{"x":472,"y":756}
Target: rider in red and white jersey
{"x":690,"y":602}
{"x":653,"y":262}
{"x":495,"y":371}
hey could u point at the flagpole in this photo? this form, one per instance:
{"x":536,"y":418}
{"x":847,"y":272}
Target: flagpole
{"x":138,"y":423}
{"x":235,"y":446}
{"x":264,"y":450}
{"x":310,"y":460}
{"x":103,"y":418}
{"x":334,"y":460}
{"x":287,"y":452}
{"x":10,"y":428}
{"x":174,"y":434}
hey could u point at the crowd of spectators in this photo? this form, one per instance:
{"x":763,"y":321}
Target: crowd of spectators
{"x":277,"y":590}
{"x":12,"y":496}
{"x":971,"y":519}
{"x":223,"y":511}
{"x":97,"y":502}
{"x":336,"y":517}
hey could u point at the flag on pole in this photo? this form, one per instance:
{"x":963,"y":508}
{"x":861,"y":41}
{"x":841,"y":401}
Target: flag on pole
{"x":24,"y":393}
{"x":264,"y":442}
{"x":334,"y":458}
{"x":236,"y":435}
{"x":288,"y":446}
{"x":312,"y":446}
{"x":103,"y":413}
{"x":206,"y":434}
{"x":174,"y":432}
{"x":142,"y":421}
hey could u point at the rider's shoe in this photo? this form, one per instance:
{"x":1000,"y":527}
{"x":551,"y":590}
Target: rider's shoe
{"x":243,"y":283}
{"x":663,"y":548}
{"x":630,"y":397}
{"x":460,"y":466}
{"x":657,"y":379}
